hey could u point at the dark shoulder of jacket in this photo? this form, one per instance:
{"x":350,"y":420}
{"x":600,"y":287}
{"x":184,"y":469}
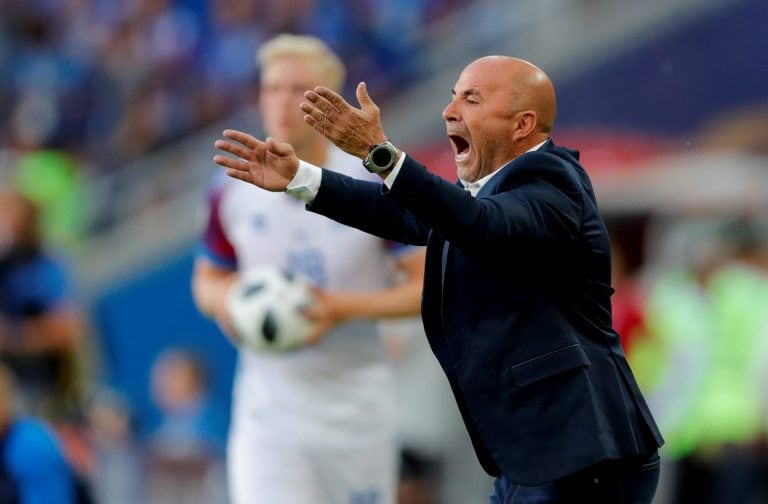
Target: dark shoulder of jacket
{"x":557,"y":166}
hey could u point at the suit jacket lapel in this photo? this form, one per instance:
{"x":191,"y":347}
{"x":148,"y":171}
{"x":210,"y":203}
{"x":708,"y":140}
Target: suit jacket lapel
{"x":490,"y":187}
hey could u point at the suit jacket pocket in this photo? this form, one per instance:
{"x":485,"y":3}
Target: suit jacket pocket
{"x":549,"y":364}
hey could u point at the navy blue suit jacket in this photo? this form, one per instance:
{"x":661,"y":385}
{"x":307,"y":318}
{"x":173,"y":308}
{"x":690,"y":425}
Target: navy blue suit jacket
{"x":516,"y":307}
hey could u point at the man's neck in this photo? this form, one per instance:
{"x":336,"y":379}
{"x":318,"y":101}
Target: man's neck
{"x":530,"y":143}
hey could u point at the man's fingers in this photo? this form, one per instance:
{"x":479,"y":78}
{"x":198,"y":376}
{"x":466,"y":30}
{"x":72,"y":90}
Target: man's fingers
{"x":332,"y":97}
{"x":235,"y":149}
{"x":363,"y":98}
{"x":315,"y":118}
{"x":313,"y":112}
{"x":239,"y":175}
{"x":230,"y":163}
{"x":280,"y":148}
{"x":243,"y":138}
{"x":323,"y":105}
{"x":307,"y":108}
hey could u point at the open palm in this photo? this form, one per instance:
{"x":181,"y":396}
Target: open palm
{"x":266,"y":164}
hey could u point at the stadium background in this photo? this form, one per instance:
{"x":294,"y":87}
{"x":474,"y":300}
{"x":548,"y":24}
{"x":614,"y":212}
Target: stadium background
{"x":110,"y":109}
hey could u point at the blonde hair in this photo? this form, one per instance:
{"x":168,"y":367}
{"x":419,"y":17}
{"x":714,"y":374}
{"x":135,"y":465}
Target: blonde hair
{"x":310,"y":48}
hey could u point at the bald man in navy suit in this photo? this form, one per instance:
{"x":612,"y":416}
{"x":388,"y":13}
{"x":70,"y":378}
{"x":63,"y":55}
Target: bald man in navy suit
{"x":516,"y":300}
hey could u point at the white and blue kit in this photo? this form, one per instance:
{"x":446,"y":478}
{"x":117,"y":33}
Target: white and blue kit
{"x":316,"y":424}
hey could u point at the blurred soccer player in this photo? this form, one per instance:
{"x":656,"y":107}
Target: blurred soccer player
{"x":314,"y":425}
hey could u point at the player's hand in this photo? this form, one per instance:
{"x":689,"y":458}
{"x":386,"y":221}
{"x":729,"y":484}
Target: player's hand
{"x":323,"y":313}
{"x":353,"y":130}
{"x":226,"y":327}
{"x":268,"y":164}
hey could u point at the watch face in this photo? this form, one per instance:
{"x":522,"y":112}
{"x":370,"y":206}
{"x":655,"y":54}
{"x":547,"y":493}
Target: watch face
{"x":381,"y":157}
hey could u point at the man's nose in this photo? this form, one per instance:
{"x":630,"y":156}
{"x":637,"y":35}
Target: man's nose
{"x":449,"y":113}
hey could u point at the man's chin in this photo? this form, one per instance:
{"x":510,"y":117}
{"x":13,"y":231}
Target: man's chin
{"x":465,"y":172}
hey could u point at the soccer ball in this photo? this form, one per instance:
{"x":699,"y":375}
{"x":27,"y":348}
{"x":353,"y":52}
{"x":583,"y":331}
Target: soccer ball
{"x":265,"y":307}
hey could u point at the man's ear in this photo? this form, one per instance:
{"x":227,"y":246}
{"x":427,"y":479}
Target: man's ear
{"x":525,"y":123}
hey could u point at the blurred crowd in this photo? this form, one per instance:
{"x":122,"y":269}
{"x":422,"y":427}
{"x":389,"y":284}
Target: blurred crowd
{"x":112,"y":80}
{"x":90,"y":85}
{"x":63,"y":436}
{"x":694,"y":324}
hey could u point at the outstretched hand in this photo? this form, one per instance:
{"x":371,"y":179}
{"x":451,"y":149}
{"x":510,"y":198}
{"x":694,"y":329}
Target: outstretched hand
{"x":268,"y":164}
{"x":353,"y":130}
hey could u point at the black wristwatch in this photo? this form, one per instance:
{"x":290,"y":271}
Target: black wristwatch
{"x":381,"y":157}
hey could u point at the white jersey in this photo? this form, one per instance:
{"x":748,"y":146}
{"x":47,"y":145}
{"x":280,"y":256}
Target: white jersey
{"x":338,"y":392}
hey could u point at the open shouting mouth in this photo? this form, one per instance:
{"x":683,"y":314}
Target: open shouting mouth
{"x":461,"y":146}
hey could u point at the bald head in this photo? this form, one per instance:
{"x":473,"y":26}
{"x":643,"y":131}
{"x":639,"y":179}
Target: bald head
{"x":529,"y":87}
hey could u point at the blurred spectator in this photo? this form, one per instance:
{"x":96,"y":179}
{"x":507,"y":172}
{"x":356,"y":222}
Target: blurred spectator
{"x":729,"y":416}
{"x":116,"y":471}
{"x":33,"y":469}
{"x":705,"y":362}
{"x":41,"y":327}
{"x":45,"y":82}
{"x":52,"y":180}
{"x":228,"y":56}
{"x":627,"y":303}
{"x":185,"y":453}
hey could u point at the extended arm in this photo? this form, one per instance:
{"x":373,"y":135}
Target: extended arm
{"x":537,"y":198}
{"x":533,"y":198}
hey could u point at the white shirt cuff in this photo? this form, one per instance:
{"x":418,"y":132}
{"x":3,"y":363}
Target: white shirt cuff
{"x":393,"y":174}
{"x":305,"y":183}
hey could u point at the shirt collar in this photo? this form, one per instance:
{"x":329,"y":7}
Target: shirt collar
{"x":474,"y":187}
